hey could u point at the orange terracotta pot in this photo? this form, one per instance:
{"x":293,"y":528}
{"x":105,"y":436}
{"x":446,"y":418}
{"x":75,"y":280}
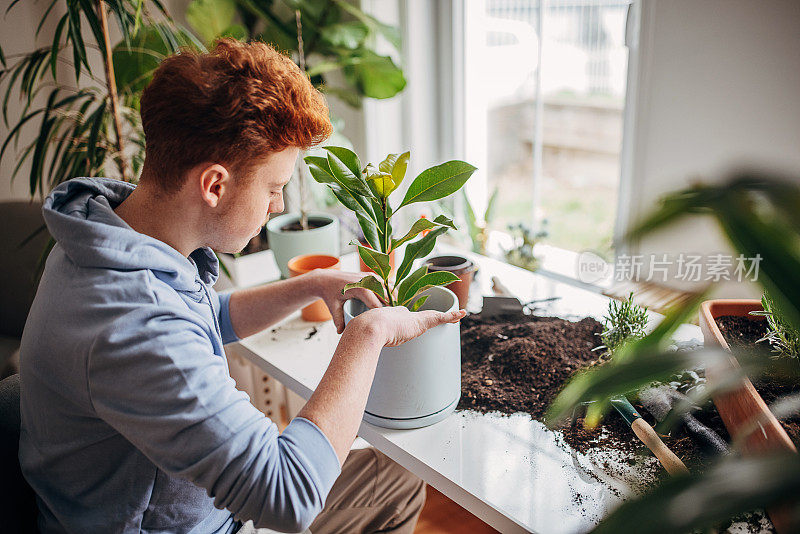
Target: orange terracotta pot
{"x":316,"y":311}
{"x":739,"y":407}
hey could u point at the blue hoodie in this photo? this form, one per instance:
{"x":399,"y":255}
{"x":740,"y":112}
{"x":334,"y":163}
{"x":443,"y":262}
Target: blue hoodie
{"x":130,"y":420}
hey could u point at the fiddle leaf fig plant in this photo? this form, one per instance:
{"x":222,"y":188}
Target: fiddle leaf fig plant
{"x":366,"y":192}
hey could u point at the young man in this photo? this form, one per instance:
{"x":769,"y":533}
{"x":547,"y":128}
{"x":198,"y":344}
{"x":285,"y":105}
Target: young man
{"x":130,"y":420}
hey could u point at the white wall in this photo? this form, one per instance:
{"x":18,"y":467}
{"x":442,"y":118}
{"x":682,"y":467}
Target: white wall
{"x":718,"y":88}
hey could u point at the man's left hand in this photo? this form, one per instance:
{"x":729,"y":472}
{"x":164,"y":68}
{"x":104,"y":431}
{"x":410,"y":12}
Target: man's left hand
{"x":329,"y":284}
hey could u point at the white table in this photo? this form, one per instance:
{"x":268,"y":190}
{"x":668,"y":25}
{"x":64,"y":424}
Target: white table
{"x":511,"y":472}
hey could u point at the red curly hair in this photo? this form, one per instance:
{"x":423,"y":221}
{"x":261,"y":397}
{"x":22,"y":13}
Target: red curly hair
{"x":233,"y":106}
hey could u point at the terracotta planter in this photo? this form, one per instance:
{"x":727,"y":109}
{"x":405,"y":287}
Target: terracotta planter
{"x":742,"y":405}
{"x":316,"y":311}
{"x":460,"y":266}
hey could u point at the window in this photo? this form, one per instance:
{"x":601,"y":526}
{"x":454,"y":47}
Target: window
{"x":543,"y":111}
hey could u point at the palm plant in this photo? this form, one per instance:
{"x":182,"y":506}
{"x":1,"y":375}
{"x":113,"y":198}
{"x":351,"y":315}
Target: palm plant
{"x":759,"y":215}
{"x":366,"y":192}
{"x":85,"y":127}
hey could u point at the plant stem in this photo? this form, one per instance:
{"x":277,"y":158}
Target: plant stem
{"x":387,"y":240}
{"x":301,"y":180}
{"x":112,"y":92}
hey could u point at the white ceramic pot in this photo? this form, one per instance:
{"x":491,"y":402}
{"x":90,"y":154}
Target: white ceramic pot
{"x":286,"y":245}
{"x":419,"y":382}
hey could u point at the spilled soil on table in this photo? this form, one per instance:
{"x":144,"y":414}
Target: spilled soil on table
{"x":743,"y":333}
{"x":519,"y":363}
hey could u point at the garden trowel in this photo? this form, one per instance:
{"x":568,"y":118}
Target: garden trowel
{"x":648,"y":436}
{"x":503,"y":302}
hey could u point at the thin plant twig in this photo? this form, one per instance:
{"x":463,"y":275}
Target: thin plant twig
{"x":112,"y":92}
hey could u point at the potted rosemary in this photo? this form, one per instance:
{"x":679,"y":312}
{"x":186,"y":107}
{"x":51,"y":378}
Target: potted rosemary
{"x":419,"y":382}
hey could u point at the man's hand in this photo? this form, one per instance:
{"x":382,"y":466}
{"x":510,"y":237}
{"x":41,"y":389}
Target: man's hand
{"x":397,"y":324}
{"x":329,"y":284}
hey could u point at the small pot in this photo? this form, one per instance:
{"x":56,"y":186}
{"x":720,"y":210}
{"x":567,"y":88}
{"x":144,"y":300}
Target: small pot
{"x":286,"y":244}
{"x":419,"y":382}
{"x":459,"y":266}
{"x":316,"y":311}
{"x":739,"y":407}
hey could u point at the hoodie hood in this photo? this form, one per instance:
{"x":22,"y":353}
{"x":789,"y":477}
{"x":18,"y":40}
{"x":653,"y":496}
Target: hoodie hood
{"x":80,"y":216}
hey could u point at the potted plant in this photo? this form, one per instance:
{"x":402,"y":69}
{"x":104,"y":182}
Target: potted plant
{"x":419,"y":382}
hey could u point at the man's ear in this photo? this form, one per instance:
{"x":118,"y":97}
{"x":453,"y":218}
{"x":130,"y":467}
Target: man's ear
{"x":214,"y":183}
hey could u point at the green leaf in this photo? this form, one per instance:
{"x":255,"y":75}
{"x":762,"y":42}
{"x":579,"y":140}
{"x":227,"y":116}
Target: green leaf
{"x":381,"y":183}
{"x":375,"y":76}
{"x":377,"y":261}
{"x":420,"y":226}
{"x":210,"y":18}
{"x":438,"y":182}
{"x":371,"y":234}
{"x":402,"y":287}
{"x":418,"y":303}
{"x":368,"y":282}
{"x":418,"y":249}
{"x":346,"y":178}
{"x":320,"y":170}
{"x":396,"y":165}
{"x":345,"y":34}
{"x":346,"y":156}
{"x":438,"y":278}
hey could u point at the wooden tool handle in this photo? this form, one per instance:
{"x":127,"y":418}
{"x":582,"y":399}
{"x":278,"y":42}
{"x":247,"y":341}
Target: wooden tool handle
{"x":671,"y":463}
{"x":499,"y":289}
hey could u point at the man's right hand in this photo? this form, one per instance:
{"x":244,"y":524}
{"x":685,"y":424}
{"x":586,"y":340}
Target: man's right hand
{"x":397,"y":324}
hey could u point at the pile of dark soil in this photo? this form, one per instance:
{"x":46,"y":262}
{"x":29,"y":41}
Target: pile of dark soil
{"x":742,"y":333}
{"x":519,"y":363}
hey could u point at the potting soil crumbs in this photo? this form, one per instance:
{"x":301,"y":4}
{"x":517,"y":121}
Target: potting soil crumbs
{"x":743,"y":333}
{"x":519,"y":363}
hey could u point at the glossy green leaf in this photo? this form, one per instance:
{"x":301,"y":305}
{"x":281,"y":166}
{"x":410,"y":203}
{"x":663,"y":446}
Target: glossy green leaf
{"x":371,"y":233}
{"x":438,"y":182}
{"x":402,"y":287}
{"x":438,"y":278}
{"x":346,"y":178}
{"x":381,"y":183}
{"x":418,"y":249}
{"x":375,"y":260}
{"x":348,"y":157}
{"x":396,"y":165}
{"x":368,"y":282}
{"x":320,"y":170}
{"x":420,"y":226}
